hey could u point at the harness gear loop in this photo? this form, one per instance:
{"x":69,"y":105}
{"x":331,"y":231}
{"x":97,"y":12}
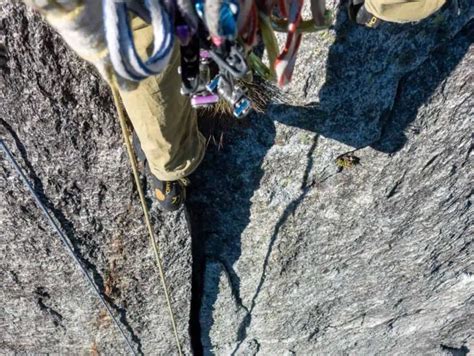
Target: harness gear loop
{"x":65,"y":240}
{"x":225,"y":30}
{"x":146,"y":213}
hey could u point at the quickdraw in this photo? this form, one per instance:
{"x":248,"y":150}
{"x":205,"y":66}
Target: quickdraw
{"x":216,"y":40}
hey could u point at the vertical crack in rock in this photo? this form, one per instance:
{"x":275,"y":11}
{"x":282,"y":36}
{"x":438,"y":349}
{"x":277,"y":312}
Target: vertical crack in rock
{"x":68,"y":228}
{"x":197,"y":289}
{"x":291,"y":208}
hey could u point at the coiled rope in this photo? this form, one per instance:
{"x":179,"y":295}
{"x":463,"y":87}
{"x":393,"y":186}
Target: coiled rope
{"x":123,"y":54}
{"x":65,"y":241}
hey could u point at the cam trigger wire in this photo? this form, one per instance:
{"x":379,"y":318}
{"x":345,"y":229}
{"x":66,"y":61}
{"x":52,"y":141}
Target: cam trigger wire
{"x":64,"y":240}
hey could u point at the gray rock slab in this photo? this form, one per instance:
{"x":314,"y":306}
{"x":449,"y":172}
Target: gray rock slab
{"x":302,"y":258}
{"x":58,"y":119}
{"x":290,"y":255}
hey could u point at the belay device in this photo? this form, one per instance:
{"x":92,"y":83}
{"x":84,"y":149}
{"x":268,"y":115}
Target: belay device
{"x":216,"y":38}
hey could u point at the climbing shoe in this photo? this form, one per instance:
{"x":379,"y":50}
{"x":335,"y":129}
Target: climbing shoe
{"x":359,"y":14}
{"x":170,"y":194}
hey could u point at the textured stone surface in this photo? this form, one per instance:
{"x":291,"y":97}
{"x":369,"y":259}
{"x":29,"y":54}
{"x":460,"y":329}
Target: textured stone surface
{"x":58,"y":119}
{"x":291,"y":255}
{"x":301,"y":259}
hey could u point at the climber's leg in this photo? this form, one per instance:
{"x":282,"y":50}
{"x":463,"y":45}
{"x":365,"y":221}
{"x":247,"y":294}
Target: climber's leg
{"x":371,"y":12}
{"x":403,"y":10}
{"x":163,"y":119}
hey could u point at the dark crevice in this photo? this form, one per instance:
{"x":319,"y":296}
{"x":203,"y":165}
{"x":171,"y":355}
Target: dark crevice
{"x":42,"y":294}
{"x":455,"y":351}
{"x":56,"y":317}
{"x":394,"y":190}
{"x":396,"y":187}
{"x":68,"y":228}
{"x":430,"y":161}
{"x":197,"y":290}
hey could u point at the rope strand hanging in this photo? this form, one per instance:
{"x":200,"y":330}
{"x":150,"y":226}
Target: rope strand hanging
{"x":146,"y":213}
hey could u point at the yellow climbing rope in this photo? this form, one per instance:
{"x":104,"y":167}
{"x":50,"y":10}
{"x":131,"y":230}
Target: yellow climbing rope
{"x":133,"y":162}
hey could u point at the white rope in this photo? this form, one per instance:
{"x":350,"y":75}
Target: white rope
{"x":119,"y":35}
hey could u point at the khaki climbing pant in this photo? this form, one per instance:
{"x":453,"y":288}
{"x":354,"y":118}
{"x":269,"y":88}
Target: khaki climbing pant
{"x":403,"y":10}
{"x":162,"y":118}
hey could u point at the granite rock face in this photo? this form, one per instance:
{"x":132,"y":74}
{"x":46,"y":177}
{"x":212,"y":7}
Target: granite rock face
{"x":58,"y":119}
{"x":304,"y":259}
{"x":287,"y":252}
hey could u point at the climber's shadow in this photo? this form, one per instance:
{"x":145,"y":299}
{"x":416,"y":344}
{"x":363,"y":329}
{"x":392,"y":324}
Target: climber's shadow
{"x":376,"y":80}
{"x":219,"y":204}
{"x":221,"y":192}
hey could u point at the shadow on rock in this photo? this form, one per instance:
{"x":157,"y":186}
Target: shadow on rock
{"x":366,"y":72}
{"x":220,"y":204}
{"x":367,"y":100}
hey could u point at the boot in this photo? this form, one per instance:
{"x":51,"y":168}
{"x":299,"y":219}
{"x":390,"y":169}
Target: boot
{"x":169,"y":194}
{"x":359,"y":14}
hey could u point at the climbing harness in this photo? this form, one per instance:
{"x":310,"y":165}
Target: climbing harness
{"x":65,"y":241}
{"x":216,"y":38}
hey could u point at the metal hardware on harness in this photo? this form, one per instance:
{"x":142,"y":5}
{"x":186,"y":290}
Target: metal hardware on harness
{"x":235,"y":96}
{"x":206,"y":92}
{"x":231,"y":59}
{"x":200,"y":95}
{"x":213,"y":84}
{"x":204,"y":52}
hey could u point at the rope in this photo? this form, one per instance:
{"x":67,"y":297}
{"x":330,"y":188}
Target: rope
{"x":146,"y":213}
{"x":285,"y":62}
{"x":64,"y":240}
{"x":119,"y":36}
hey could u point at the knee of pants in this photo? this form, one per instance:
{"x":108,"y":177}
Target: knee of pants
{"x":403,"y":10}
